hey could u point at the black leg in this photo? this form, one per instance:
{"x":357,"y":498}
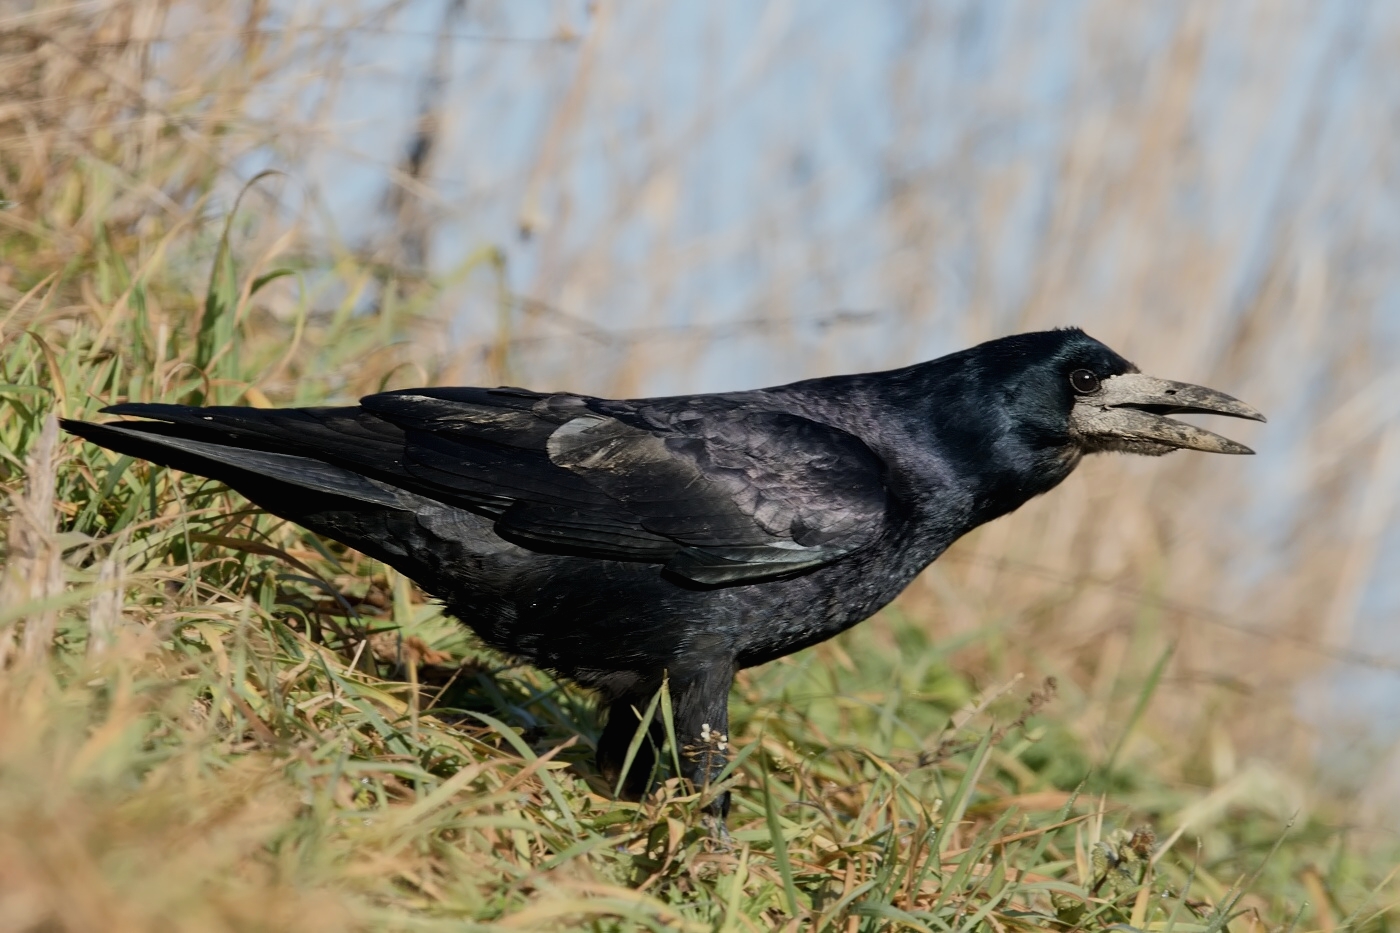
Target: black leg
{"x":701,"y":707}
{"x":618,"y":732}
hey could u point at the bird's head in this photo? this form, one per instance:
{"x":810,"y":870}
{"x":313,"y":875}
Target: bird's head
{"x":1077,"y":394}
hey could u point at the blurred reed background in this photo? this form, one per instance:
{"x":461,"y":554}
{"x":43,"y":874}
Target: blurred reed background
{"x":698,"y":197}
{"x":647,"y":199}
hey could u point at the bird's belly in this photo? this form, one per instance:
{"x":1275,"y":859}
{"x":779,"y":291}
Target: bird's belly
{"x":595,"y":620}
{"x":591,"y":620}
{"x":809,"y":610}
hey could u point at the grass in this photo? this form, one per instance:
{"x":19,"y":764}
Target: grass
{"x":211,"y":720}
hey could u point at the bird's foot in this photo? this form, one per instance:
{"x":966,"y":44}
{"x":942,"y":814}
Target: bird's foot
{"x":719,"y":838}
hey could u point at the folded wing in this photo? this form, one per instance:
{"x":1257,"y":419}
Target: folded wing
{"x":719,"y":490}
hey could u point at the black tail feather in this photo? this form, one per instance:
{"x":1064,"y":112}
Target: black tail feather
{"x":258,"y":474}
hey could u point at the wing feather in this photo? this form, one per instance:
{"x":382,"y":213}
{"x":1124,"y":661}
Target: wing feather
{"x":720,"y":489}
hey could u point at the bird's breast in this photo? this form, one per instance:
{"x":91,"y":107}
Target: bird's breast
{"x":790,"y":615}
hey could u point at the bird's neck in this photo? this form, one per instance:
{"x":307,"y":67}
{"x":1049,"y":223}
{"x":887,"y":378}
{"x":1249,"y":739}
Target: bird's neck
{"x":956,"y":456}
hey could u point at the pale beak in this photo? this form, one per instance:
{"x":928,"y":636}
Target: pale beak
{"x":1128,"y":413}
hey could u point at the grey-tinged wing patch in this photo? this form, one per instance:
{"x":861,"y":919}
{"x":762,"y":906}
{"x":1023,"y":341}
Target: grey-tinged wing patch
{"x":747,"y":495}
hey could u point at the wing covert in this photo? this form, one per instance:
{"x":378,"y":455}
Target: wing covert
{"x":724,"y":494}
{"x":746,"y":495}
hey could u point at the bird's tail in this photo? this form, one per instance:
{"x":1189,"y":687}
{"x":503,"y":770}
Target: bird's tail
{"x":266,"y":476}
{"x":329,"y":470}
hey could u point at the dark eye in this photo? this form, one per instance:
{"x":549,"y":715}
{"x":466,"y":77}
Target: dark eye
{"x":1084,"y":382}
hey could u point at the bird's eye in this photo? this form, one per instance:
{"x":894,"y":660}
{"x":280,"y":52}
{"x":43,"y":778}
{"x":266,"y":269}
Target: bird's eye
{"x":1084,"y":381}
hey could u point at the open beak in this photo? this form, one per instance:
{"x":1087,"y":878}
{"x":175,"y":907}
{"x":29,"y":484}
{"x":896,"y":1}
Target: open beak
{"x":1129,"y":413}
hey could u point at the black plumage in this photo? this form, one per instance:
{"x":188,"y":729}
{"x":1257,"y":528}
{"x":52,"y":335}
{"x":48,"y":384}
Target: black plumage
{"x":620,"y":542}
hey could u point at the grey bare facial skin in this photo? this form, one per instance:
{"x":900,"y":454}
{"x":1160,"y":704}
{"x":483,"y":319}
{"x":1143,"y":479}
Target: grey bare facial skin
{"x":1128,"y":414}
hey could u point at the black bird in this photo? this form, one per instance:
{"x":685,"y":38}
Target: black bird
{"x":618,"y":543}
